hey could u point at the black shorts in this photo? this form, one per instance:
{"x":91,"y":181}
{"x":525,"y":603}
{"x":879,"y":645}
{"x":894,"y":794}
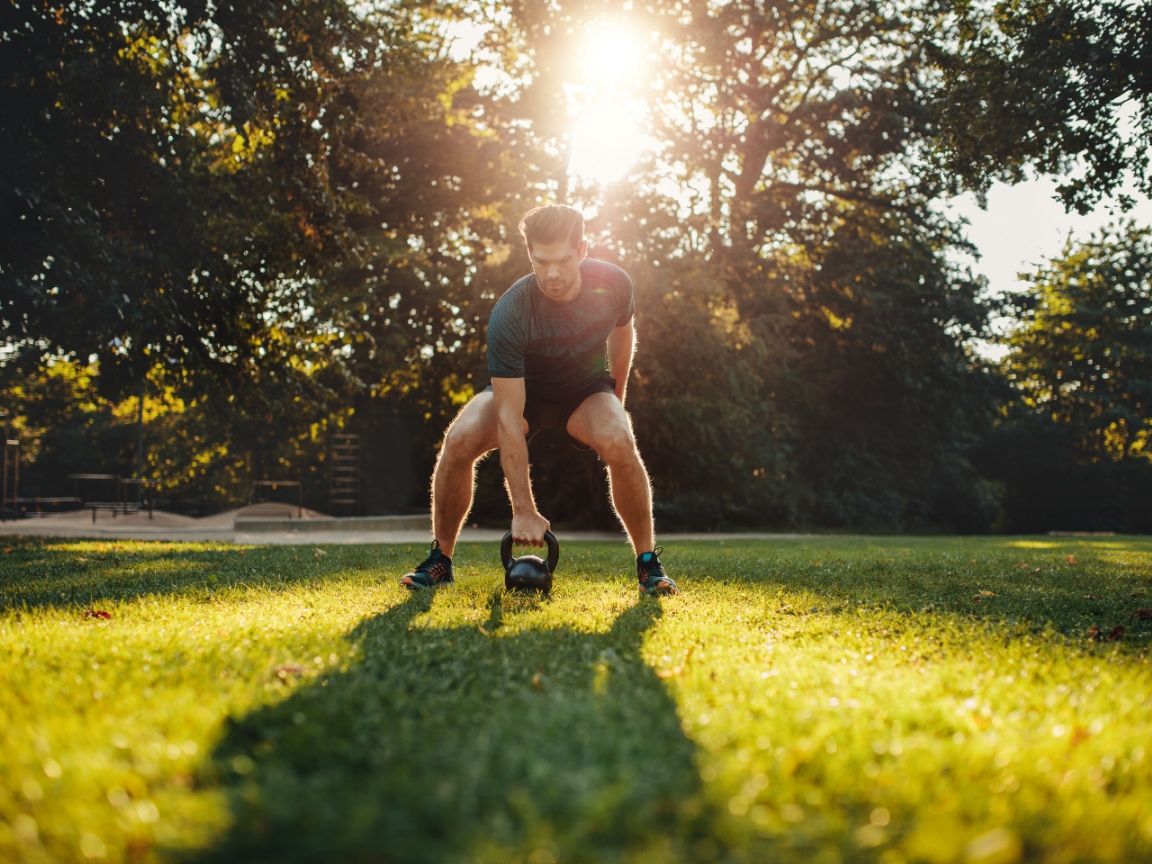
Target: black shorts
{"x":544,"y":413}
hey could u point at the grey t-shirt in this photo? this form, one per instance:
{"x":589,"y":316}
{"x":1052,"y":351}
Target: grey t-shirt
{"x":558,"y":348}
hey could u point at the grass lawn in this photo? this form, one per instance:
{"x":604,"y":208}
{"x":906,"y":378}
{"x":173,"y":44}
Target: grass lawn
{"x":835,"y":699}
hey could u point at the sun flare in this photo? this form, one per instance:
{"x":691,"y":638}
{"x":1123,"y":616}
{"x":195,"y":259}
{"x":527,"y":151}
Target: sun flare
{"x":605,"y":141}
{"x":610,"y":55}
{"x":606,"y":131}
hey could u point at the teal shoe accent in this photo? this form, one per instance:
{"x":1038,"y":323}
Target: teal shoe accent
{"x":650,"y":572}
{"x":434,"y":571}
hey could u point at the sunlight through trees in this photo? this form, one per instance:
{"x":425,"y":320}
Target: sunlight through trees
{"x":279,"y":223}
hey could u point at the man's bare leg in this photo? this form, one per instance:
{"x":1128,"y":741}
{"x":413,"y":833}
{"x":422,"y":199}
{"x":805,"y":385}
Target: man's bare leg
{"x":470,"y":436}
{"x":453,"y":482}
{"x":602,"y":424}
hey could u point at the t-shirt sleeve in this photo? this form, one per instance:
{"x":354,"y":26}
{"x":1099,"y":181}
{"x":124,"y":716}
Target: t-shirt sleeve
{"x":506,"y":341}
{"x":626,"y":298}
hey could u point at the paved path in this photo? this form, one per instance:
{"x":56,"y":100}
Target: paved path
{"x":234,"y":527}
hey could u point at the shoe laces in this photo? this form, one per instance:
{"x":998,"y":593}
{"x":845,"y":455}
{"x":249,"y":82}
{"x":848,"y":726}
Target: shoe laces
{"x":436,"y":564}
{"x":653,"y":566}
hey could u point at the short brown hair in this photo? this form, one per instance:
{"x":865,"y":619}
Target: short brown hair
{"x":554,"y":223}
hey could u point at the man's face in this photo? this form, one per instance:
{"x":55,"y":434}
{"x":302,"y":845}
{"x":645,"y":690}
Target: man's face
{"x":557,"y":268}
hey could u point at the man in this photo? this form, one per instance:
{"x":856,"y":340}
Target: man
{"x":547,"y":338}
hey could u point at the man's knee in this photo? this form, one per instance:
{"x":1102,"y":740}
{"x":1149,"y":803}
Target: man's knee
{"x":616,"y":444}
{"x":463,"y":441}
{"x":471,"y":434}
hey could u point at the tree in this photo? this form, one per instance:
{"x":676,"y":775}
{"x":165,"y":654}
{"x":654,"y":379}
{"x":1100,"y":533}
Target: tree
{"x":225,"y":173}
{"x":63,"y":424}
{"x":1071,"y":447}
{"x":144,"y":220}
{"x":1060,"y":87}
{"x":291,"y":218}
{"x":1083,"y":354}
{"x":890,"y":400}
{"x":804,"y":218}
{"x":271,"y":212}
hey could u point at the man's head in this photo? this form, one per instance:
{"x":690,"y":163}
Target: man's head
{"x":555,"y":223}
{"x":554,"y":236}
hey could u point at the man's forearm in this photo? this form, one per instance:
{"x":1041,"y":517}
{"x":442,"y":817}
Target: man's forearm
{"x":621,"y":348}
{"x":514,"y":462}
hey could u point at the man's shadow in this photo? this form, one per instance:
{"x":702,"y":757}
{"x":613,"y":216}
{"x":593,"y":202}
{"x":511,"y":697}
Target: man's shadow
{"x":464,"y":744}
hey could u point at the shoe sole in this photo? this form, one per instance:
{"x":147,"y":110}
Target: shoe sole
{"x":412,"y":585}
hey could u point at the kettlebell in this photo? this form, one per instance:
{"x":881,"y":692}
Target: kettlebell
{"x":529,"y":572}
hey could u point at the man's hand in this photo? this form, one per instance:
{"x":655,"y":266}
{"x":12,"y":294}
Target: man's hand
{"x":528,"y":529}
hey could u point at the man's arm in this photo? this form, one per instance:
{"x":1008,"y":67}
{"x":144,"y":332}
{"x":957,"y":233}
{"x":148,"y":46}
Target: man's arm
{"x":621,"y":347}
{"x":528,"y":526}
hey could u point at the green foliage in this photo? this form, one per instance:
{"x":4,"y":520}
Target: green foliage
{"x":1071,"y":450}
{"x":886,"y":400}
{"x":805,"y":311}
{"x":235,"y":183}
{"x":839,"y":698}
{"x":280,"y":221}
{"x":1061,"y":87}
{"x":155,"y":191}
{"x":1047,"y":484}
{"x":715,"y":440}
{"x":189,"y":451}
{"x":44,"y":405}
{"x":1083,"y":356}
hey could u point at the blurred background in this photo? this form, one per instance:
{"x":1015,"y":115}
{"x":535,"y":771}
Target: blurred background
{"x":893,"y":260}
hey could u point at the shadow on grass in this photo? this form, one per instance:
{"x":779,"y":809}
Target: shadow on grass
{"x":465,"y":744}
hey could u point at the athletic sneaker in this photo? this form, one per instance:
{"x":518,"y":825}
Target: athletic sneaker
{"x":435,"y":570}
{"x":653,"y":579}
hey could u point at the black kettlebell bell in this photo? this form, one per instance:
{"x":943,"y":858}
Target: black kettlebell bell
{"x":529,"y":572}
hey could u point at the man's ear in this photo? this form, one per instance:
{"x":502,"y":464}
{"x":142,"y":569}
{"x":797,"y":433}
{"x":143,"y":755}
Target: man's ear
{"x":582,"y":250}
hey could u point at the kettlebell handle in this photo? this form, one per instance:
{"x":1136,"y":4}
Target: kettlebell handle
{"x":549,"y":538}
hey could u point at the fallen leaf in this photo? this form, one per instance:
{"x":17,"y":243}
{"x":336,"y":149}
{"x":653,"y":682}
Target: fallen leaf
{"x":981,"y":596}
{"x":538,"y":682}
{"x":1113,"y":635}
{"x":1079,"y":736}
{"x":319,"y":553}
{"x":7,"y":550}
{"x":1071,"y":559}
{"x":98,"y":613}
